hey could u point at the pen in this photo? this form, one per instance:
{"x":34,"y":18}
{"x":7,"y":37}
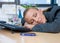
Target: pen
{"x":27,"y":34}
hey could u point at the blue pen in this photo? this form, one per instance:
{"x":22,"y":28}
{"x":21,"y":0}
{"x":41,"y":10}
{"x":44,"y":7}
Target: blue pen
{"x":27,"y":34}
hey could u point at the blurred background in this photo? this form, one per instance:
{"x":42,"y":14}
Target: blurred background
{"x":11,"y":11}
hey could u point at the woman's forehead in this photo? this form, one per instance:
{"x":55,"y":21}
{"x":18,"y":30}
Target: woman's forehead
{"x":31,"y":12}
{"x":32,"y":9}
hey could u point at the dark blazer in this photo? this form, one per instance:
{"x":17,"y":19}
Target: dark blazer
{"x":53,"y":21}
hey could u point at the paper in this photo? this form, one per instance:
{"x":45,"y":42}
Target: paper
{"x":9,"y":8}
{"x":5,"y":39}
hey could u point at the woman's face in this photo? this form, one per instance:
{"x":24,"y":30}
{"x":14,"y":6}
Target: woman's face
{"x":34,"y":16}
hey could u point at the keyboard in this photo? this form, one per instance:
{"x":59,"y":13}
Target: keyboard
{"x":15,"y":27}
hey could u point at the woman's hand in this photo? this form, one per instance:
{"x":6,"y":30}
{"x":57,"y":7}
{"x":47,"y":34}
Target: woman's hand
{"x":30,"y":26}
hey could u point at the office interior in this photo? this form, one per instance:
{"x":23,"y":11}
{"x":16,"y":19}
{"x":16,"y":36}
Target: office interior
{"x":11,"y":11}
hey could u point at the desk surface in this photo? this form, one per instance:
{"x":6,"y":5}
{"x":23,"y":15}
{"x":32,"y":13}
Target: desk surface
{"x":40,"y":38}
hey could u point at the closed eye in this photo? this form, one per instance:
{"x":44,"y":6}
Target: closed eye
{"x":32,"y":21}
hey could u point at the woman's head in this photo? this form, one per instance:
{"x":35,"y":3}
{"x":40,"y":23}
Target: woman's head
{"x":34,"y":16}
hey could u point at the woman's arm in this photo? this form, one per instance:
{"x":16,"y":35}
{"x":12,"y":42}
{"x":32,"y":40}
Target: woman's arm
{"x":47,"y":27}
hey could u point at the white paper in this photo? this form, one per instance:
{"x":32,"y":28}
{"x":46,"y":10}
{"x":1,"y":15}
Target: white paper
{"x":9,"y":8}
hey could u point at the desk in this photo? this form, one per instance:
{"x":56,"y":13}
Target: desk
{"x":40,"y":38}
